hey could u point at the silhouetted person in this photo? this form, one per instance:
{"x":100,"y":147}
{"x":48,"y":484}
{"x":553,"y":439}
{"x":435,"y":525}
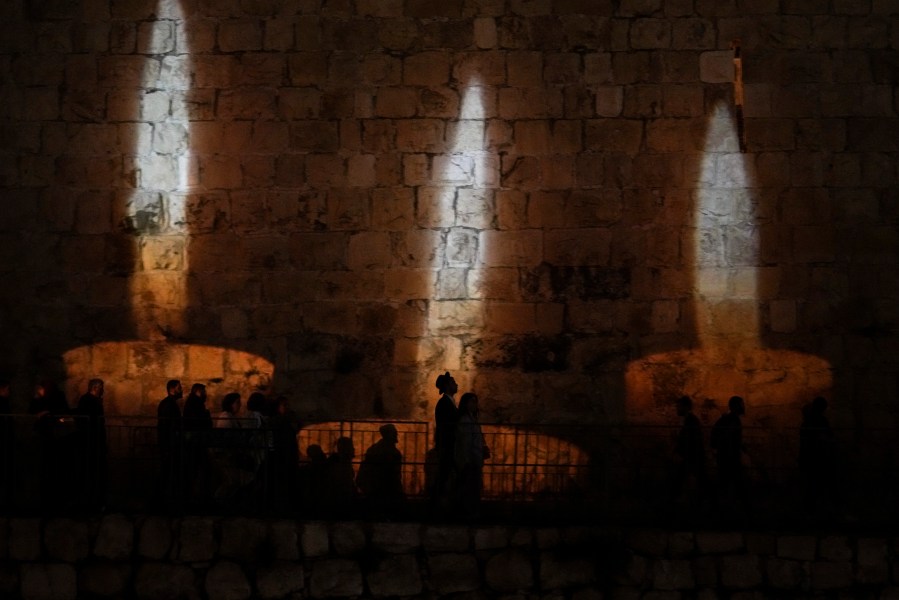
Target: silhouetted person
{"x":285,"y":456}
{"x":380,"y":474}
{"x":169,"y":436}
{"x":7,"y":446}
{"x":90,"y":424}
{"x":233,"y":459}
{"x":313,"y":479}
{"x":341,"y":479}
{"x":470,"y":452}
{"x":727,"y":440}
{"x":56,"y":438}
{"x":690,"y":453}
{"x":446,"y":416}
{"x":197,"y":424}
{"x":817,"y":454}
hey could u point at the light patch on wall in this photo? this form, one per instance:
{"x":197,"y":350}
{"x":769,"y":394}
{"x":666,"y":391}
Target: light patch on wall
{"x":730,"y":358}
{"x":166,"y":174}
{"x":464,"y":178}
{"x":136,"y":372}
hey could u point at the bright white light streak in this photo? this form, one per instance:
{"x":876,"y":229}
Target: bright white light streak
{"x":166,"y":174}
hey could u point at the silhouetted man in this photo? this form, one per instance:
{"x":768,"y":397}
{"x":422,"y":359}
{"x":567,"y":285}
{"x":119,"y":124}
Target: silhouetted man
{"x":817,"y":457}
{"x":380,"y":474}
{"x":168,"y":429}
{"x":690,"y":450}
{"x":91,"y":427}
{"x":446,"y":416}
{"x":727,"y":440}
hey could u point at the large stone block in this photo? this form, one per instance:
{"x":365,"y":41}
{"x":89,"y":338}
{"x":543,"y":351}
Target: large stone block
{"x":395,"y":537}
{"x":280,"y":580}
{"x":348,"y":539}
{"x":106,"y":580}
{"x":446,"y":538}
{"x":335,"y":577}
{"x":243,"y":538}
{"x":558,"y":571}
{"x":672,"y":575}
{"x":509,"y":571}
{"x":24,"y":539}
{"x":314,"y":539}
{"x":226,"y":580}
{"x":48,"y":582}
{"x":196,"y":540}
{"x":115,"y":539}
{"x":66,"y":539}
{"x":452,"y":573}
{"x":395,"y":576}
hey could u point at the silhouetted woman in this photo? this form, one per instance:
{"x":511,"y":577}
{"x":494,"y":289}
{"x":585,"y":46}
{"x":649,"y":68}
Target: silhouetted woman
{"x":470,"y":452}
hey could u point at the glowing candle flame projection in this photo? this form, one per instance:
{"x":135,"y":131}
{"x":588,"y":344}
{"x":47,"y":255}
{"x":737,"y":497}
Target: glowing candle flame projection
{"x":730,"y":359}
{"x":155,"y":211}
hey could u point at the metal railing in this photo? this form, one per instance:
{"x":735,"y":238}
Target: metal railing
{"x":609,"y":472}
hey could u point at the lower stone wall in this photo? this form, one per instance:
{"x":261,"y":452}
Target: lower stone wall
{"x":235,"y":558}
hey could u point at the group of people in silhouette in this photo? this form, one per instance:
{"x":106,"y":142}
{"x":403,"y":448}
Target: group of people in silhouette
{"x":729,"y":494}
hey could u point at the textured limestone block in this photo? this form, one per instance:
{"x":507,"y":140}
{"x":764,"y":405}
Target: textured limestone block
{"x":510,"y":248}
{"x":872,"y":561}
{"x":115,"y":539}
{"x":709,"y":542}
{"x":649,"y":542}
{"x":835,"y":547}
{"x":314,"y":539}
{"x":798,"y":547}
{"x":681,"y":543}
{"x":716,"y":66}
{"x":437,"y":538}
{"x":489,"y":538}
{"x":509,"y":571}
{"x":242,"y":538}
{"x":395,"y":576}
{"x":48,"y":582}
{"x":395,"y":537}
{"x":741,"y":571}
{"x":560,"y":572}
{"x":705,"y":569}
{"x":24,"y":539}
{"x":672,"y":575}
{"x":335,"y":577}
{"x":783,"y":574}
{"x":522,"y":538}
{"x":830,"y":575}
{"x":451,"y":573}
{"x":105,"y":579}
{"x":284,"y":538}
{"x":66,"y":539}
{"x":196,"y":539}
{"x":154,"y":537}
{"x":348,"y":539}
{"x":280,"y":580}
{"x":226,"y":580}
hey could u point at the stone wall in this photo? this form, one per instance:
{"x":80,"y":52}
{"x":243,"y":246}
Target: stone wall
{"x":239,"y":558}
{"x":341,"y":199}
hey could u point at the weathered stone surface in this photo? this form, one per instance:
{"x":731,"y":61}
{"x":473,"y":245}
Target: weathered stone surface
{"x":280,"y":580}
{"x":243,"y":538}
{"x":104,"y":579}
{"x":742,"y":571}
{"x":155,"y":538}
{"x":783,"y":574}
{"x":395,"y":576}
{"x":335,"y":577}
{"x":648,"y":542}
{"x":48,"y":582}
{"x":446,"y":538}
{"x":115,"y":539}
{"x":489,"y":538}
{"x":672,"y":575}
{"x":830,"y":575}
{"x":348,"y":539}
{"x":872,"y":561}
{"x":797,"y":547}
{"x":66,"y":539}
{"x":285,"y":540}
{"x":835,"y":547}
{"x":557,"y":571}
{"x":451,"y":573}
{"x":226,"y":580}
{"x":395,"y":537}
{"x":509,"y":571}
{"x":196,"y":539}
{"x":314,"y":539}
{"x":24,"y":539}
{"x":158,"y":581}
{"x":718,"y":543}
